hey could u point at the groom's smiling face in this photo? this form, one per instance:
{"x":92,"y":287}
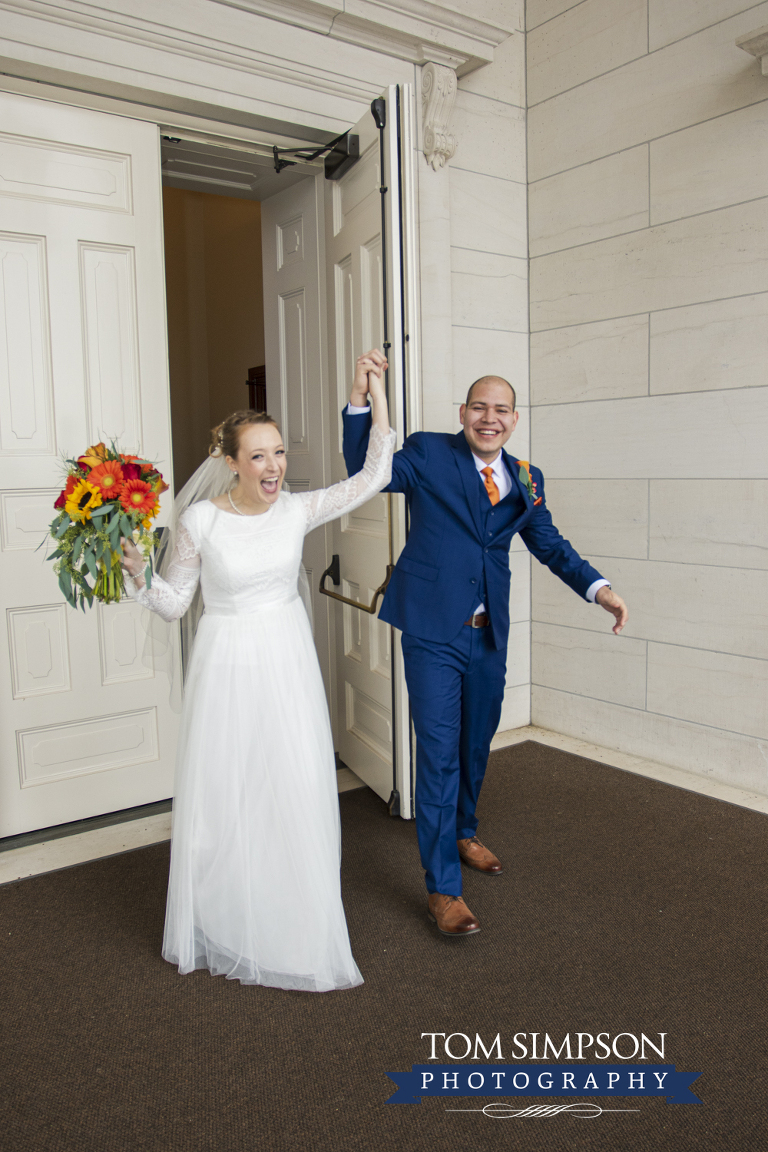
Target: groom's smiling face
{"x":489,"y":418}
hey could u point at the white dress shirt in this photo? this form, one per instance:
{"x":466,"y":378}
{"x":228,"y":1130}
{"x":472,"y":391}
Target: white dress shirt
{"x":503,"y":482}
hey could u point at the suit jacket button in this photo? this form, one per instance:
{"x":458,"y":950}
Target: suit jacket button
{"x":473,"y":581}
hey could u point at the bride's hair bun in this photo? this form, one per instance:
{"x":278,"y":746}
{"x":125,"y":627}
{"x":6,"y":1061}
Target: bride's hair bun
{"x":225,"y":437}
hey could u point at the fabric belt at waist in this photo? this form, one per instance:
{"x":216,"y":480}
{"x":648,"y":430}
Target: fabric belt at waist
{"x":272,"y":607}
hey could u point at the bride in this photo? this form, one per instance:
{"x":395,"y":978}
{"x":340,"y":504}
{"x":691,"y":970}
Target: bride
{"x":254,"y":891}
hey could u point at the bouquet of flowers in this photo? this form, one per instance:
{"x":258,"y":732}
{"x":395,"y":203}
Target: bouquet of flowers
{"x":107,"y":495}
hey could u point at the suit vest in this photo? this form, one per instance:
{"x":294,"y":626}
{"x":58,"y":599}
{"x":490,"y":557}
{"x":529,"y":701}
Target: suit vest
{"x":512,"y":506}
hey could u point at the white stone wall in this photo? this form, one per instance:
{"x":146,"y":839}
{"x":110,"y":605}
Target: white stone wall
{"x":486,"y":190}
{"x":648,"y":169}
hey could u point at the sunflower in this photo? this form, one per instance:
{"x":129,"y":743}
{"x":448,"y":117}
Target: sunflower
{"x":136,"y":496}
{"x":109,"y":477}
{"x":83,"y":499}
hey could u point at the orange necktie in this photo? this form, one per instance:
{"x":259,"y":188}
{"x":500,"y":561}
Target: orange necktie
{"x":490,"y":484}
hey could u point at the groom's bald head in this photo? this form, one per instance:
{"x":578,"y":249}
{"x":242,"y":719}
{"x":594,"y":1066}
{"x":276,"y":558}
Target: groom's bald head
{"x":491,"y":380}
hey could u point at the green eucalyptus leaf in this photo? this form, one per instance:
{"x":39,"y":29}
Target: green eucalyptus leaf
{"x":65,"y":585}
{"x":90,"y":563}
{"x":148,"y":576}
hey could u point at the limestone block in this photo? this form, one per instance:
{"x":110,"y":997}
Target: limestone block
{"x":723,"y":161}
{"x":729,"y":692}
{"x":605,"y":518}
{"x":722,"y":344}
{"x":708,"y":257}
{"x":710,"y":521}
{"x":587,"y":40}
{"x":599,"y":361}
{"x":603,"y":198}
{"x":602,"y":667}
{"x":686,"y":436}
{"x":488,"y":214}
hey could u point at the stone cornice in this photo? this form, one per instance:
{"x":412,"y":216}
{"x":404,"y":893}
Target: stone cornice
{"x":415,"y":30}
{"x":132,"y":29}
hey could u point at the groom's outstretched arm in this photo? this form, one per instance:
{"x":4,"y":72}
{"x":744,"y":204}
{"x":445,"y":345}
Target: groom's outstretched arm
{"x":542,"y":538}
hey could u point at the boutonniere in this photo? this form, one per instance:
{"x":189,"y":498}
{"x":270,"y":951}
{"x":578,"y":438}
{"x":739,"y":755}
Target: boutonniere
{"x":524,"y":477}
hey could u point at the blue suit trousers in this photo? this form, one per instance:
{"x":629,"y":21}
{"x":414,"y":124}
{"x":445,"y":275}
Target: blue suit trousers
{"x":456,"y":692}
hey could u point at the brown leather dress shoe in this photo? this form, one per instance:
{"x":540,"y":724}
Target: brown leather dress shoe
{"x":451,"y":915}
{"x":476,"y":855}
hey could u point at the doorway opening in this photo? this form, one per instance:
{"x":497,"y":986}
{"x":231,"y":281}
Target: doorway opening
{"x":217,"y":344}
{"x":214,"y":288}
{"x":215,"y":314}
{"x":305,"y":307}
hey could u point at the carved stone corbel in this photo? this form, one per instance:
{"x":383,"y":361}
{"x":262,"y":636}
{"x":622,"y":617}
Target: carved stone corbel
{"x":756,"y":43}
{"x":438,"y":92}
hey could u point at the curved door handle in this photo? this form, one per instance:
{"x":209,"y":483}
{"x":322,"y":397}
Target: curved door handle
{"x":334,"y":571}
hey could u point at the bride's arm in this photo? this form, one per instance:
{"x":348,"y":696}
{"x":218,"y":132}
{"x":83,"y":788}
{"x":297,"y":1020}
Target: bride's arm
{"x":329,"y":503}
{"x":169,"y":597}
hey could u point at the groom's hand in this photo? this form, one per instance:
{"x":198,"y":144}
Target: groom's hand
{"x":614,"y":604}
{"x":373,"y":362}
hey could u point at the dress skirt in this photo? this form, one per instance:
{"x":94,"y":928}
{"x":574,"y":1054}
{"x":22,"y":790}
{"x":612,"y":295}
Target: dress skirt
{"x":254,"y":889}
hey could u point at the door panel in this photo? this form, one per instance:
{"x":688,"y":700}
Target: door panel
{"x":87,"y":727}
{"x":294,"y":356}
{"x":373,"y":735}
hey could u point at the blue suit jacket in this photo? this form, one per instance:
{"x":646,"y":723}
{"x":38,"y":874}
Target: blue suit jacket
{"x":456,"y":538}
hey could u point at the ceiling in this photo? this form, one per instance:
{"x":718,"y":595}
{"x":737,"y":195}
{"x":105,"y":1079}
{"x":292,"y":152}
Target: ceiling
{"x":203,"y":166}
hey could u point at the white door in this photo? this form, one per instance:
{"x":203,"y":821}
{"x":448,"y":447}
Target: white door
{"x":294,"y":353}
{"x":371,"y":701}
{"x":86,"y":727}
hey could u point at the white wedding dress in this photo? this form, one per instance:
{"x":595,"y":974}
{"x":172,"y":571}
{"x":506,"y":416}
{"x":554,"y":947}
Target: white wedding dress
{"x":254,"y":891}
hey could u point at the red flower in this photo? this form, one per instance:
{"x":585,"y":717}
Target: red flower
{"x":66,"y":491}
{"x":131,"y":472}
{"x":137,"y":496}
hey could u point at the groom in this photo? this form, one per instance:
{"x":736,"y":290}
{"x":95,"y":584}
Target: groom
{"x":449,"y":596}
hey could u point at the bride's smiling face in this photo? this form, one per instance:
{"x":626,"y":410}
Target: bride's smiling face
{"x":260,"y":463}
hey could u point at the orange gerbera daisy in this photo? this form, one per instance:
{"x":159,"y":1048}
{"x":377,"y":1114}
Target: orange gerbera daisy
{"x":137,"y":496}
{"x":109,"y":477}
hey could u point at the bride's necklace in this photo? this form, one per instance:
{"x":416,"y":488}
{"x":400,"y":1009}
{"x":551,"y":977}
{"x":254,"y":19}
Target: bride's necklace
{"x":249,"y":516}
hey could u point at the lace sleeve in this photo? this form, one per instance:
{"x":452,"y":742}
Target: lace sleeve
{"x":329,"y":503}
{"x":170,"y":597}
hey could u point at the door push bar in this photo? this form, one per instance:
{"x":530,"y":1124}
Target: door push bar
{"x":334,"y":571}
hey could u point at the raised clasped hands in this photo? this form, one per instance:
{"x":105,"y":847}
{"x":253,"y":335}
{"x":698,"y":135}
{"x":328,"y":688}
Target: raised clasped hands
{"x":614,"y":604}
{"x":369,"y":377}
{"x":368,"y":386}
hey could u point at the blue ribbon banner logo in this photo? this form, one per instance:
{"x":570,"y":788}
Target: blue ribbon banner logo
{"x":659,"y":1080}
